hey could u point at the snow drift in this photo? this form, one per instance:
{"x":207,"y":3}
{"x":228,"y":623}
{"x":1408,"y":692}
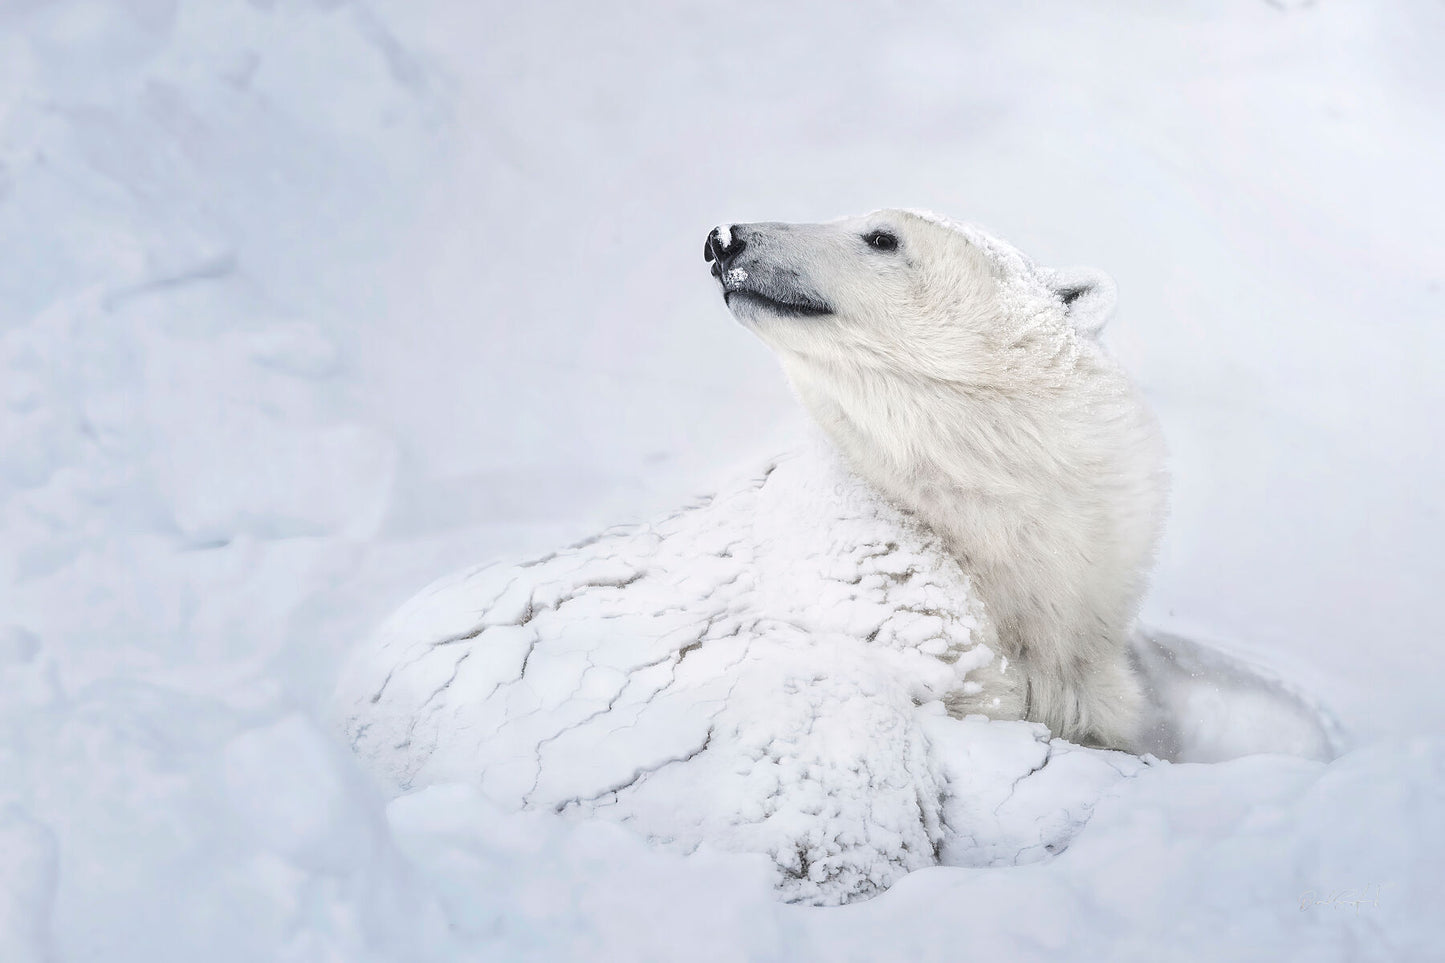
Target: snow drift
{"x":766,"y":671}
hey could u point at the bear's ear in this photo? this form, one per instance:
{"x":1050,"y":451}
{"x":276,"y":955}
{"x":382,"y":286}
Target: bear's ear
{"x":1089,"y":296}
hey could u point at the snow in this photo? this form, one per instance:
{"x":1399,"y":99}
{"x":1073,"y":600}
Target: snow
{"x":305,"y":304}
{"x":767,"y":672}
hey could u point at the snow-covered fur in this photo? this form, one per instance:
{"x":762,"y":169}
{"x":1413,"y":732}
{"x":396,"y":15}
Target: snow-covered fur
{"x":764,"y":671}
{"x":968,"y":385}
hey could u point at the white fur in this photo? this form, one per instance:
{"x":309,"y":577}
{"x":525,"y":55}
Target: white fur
{"x":954,"y":377}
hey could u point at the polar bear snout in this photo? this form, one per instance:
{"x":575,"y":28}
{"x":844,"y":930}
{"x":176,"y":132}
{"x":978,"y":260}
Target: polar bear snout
{"x":722,"y":247}
{"x":749,"y":264}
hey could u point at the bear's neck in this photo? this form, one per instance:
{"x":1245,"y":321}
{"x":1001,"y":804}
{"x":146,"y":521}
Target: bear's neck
{"x":1048,"y":489}
{"x":1014,"y":477}
{"x":925,"y":442}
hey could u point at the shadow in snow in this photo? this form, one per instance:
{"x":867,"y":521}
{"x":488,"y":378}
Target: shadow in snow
{"x":1203,"y":705}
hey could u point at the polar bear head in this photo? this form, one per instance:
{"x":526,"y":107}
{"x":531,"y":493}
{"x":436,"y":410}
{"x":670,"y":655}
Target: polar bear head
{"x":905,"y":291}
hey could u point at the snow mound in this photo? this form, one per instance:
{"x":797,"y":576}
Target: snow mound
{"x":768,"y":671}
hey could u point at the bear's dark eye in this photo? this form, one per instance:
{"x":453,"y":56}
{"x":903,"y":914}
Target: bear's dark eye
{"x":882,"y":240}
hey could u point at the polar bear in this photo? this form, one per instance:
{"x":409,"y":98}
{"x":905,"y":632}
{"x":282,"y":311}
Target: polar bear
{"x":968,"y":386}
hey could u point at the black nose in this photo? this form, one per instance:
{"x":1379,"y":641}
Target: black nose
{"x":721,"y":248}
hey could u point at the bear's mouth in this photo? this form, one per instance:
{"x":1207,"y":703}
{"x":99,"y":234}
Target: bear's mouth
{"x":800,"y":308}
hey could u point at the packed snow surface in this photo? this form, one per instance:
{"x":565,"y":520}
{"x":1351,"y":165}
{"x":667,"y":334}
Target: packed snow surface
{"x":305,"y":304}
